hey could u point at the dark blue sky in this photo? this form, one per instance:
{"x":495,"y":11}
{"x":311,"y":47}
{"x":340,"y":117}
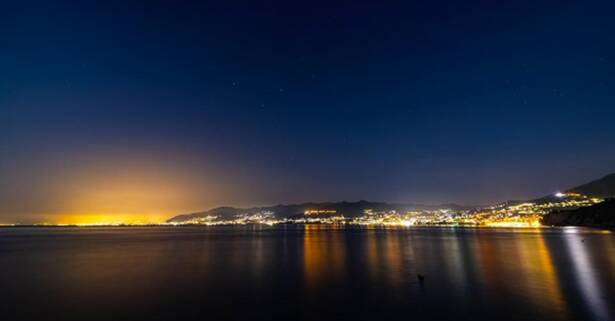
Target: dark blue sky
{"x":245,"y":103}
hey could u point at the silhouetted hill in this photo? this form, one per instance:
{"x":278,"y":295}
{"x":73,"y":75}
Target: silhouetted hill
{"x":603,"y":188}
{"x":599,"y":215}
{"x":348,"y":209}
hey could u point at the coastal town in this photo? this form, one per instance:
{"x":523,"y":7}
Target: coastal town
{"x":509,"y":214}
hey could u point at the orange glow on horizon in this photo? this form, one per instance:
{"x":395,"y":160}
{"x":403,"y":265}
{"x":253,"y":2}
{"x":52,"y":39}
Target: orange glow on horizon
{"x":110,"y":219}
{"x":119,"y":187}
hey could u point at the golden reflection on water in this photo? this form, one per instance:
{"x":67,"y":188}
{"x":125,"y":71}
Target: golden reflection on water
{"x":323,"y":254}
{"x":488,"y":253}
{"x":538,"y":272}
{"x":372,"y":252}
{"x":520,"y":264}
{"x":393,"y":256}
{"x":510,"y":267}
{"x":385,"y":256}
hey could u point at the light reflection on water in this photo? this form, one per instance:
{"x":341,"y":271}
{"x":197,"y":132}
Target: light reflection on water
{"x":305,"y":273}
{"x":587,"y":280}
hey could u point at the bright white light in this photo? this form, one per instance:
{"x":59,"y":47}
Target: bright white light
{"x":560,"y":194}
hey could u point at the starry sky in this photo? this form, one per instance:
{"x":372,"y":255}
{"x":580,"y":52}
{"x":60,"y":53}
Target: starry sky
{"x":126,"y":110}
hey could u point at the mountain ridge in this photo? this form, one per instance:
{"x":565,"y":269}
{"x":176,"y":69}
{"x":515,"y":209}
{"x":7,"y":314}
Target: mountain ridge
{"x":603,"y":188}
{"x":348,"y":208}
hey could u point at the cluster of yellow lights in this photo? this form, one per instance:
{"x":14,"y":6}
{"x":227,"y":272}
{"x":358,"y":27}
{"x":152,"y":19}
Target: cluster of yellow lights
{"x":317,"y":212}
{"x":524,"y":215}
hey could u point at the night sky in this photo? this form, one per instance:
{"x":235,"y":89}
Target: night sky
{"x":143,"y":110}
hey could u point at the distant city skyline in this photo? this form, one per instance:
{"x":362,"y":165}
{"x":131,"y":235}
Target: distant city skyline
{"x":140,"y":111}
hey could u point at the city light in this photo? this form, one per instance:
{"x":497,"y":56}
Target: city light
{"x":516,"y":215}
{"x":513,"y":214}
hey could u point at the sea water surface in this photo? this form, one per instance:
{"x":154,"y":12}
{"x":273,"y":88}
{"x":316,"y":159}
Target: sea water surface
{"x":312,"y":272}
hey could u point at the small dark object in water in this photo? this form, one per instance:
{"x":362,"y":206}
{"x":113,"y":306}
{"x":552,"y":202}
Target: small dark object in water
{"x":420,"y":277}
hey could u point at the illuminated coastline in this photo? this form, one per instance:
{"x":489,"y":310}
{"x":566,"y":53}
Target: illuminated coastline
{"x":517,"y":215}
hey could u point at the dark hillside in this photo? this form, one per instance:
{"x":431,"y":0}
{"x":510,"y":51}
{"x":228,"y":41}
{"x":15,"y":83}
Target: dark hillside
{"x":599,"y":215}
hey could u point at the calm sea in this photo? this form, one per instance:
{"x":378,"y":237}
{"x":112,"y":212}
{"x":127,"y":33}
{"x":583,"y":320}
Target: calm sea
{"x":310,"y":272}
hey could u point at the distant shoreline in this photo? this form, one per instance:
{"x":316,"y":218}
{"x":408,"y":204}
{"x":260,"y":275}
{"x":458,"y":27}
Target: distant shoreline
{"x":21,"y":226}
